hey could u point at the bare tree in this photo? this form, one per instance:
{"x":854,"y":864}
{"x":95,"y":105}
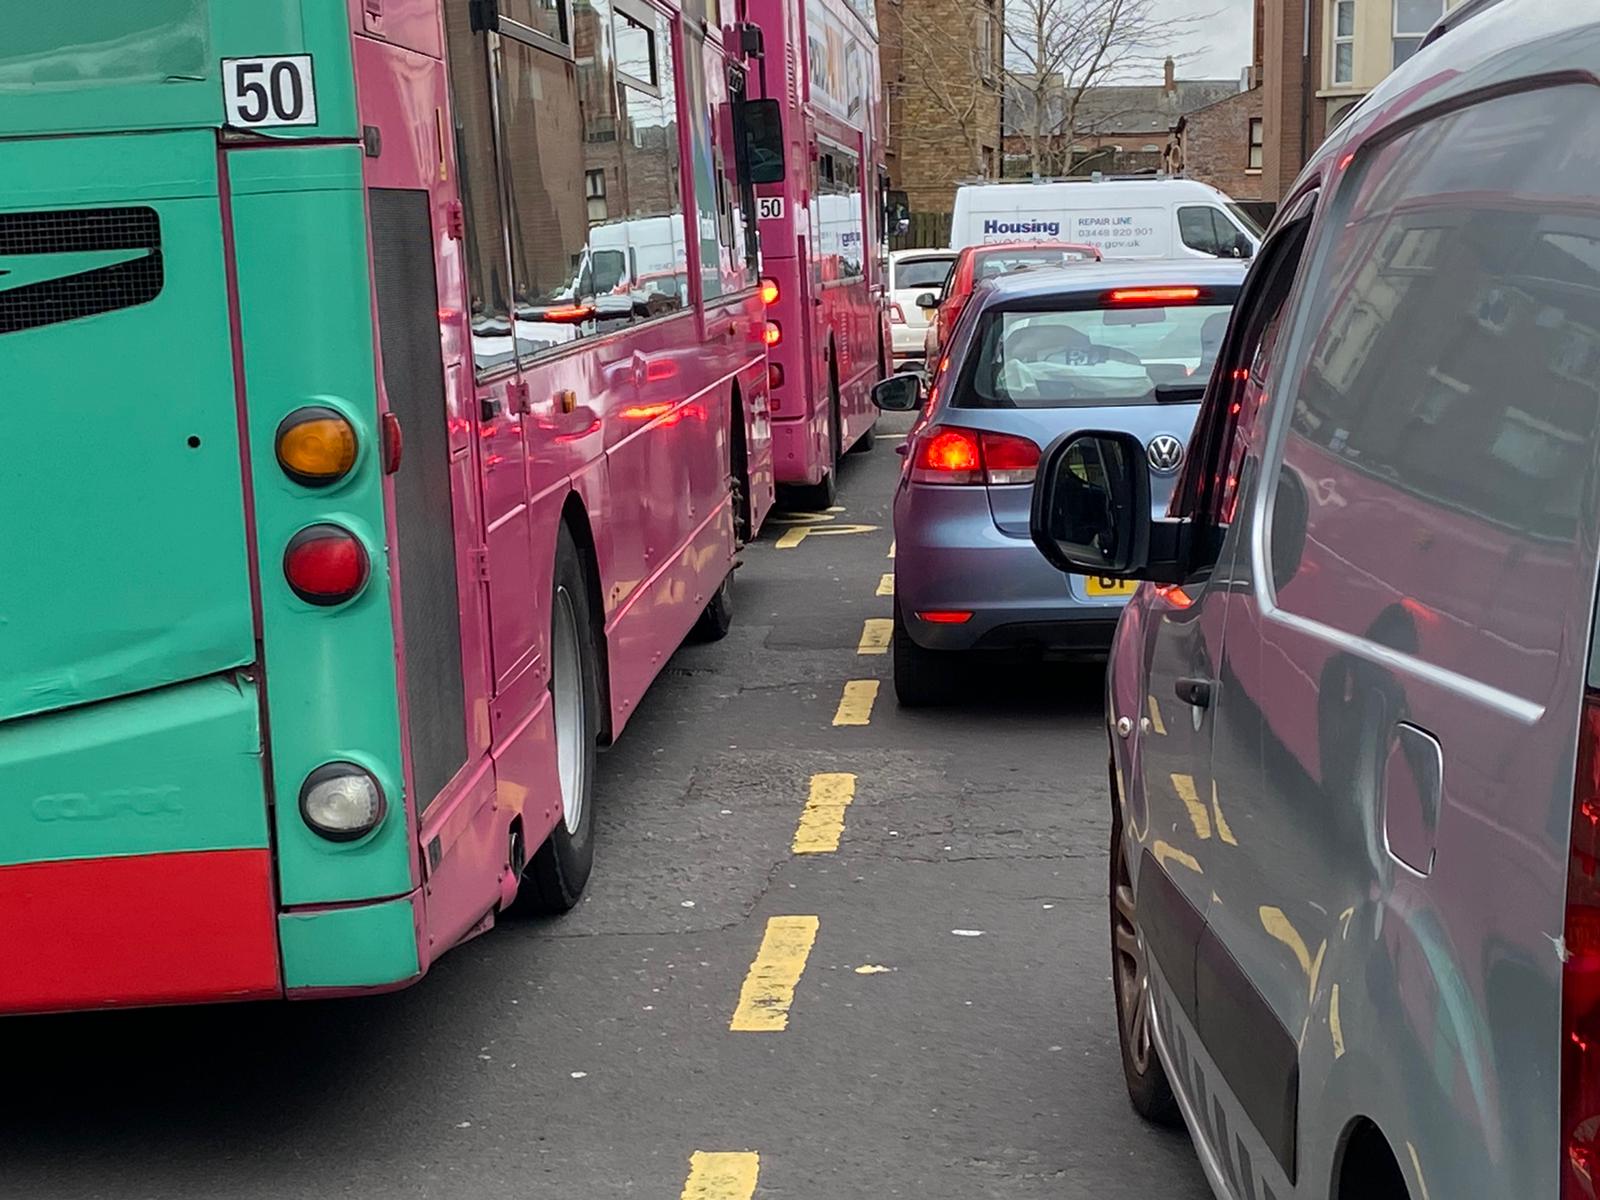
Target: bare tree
{"x":956,"y":73}
{"x":1056,"y":50}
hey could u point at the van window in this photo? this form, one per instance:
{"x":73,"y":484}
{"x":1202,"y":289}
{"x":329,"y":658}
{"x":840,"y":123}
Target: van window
{"x":1445,"y":383}
{"x":1205,"y":229}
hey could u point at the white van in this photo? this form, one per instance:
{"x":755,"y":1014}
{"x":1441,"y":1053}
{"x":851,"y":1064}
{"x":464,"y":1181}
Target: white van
{"x":1146,"y":217}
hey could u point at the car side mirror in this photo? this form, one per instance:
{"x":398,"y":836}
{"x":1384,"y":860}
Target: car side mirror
{"x":899,"y":393}
{"x":928,"y":300}
{"x":1242,"y":247}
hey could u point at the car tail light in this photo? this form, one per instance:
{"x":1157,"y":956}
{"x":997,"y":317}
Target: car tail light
{"x":953,"y":456}
{"x":316,"y":446}
{"x":897,"y":315}
{"x":946,"y":616}
{"x":774,"y":376}
{"x":326,"y":565}
{"x":341,"y":801}
{"x":1580,"y":973}
{"x":772,"y":333}
{"x":769,"y":291}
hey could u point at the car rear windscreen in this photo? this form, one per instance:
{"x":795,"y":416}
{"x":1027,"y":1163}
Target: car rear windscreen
{"x":921,"y":272}
{"x":995,"y":263}
{"x":1090,"y":357}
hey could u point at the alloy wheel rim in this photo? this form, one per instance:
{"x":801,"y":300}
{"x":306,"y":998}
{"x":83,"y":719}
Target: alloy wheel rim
{"x":571,"y":719}
{"x":1132,"y":977}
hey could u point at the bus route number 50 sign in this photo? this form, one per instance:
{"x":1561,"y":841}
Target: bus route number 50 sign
{"x":269,"y":91}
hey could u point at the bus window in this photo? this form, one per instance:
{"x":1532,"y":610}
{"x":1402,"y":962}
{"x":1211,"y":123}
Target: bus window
{"x":763,"y":132}
{"x":653,"y":231}
{"x":710,"y":200}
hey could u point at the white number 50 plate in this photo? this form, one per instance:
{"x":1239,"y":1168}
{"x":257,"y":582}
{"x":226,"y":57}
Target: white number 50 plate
{"x":269,"y":91}
{"x":769,"y":208}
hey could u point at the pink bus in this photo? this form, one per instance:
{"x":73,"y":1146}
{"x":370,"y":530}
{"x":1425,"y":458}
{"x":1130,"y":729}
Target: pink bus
{"x":431,"y":377}
{"x":821,"y":186}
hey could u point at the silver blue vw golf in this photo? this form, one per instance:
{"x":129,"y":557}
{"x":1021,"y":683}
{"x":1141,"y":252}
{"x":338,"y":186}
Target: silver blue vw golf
{"x":1037,"y":354}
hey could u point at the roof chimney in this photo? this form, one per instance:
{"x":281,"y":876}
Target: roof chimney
{"x":1171,"y":85}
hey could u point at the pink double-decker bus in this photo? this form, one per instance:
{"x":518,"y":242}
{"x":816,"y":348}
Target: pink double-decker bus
{"x":817,"y":158}
{"x":426,"y":354}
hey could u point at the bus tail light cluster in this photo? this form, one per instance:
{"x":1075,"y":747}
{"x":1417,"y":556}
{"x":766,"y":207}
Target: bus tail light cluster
{"x":326,"y":565}
{"x":953,"y":456}
{"x":341,"y":801}
{"x":316,"y":446}
{"x":774,"y":376}
{"x":769,"y":291}
{"x":1580,"y":973}
{"x":772,"y":333}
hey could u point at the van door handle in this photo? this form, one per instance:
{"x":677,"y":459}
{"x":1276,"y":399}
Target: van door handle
{"x":1194,"y":691}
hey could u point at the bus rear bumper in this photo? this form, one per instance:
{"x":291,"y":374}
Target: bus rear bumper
{"x":174,"y":928}
{"x":797,"y":458}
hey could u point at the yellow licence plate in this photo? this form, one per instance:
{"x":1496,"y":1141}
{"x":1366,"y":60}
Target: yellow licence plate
{"x":1099,"y":585}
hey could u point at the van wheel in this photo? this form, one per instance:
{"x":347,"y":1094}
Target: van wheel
{"x":922,"y":678}
{"x":717,"y":618}
{"x":1148,"y":1087}
{"x":555,"y":877}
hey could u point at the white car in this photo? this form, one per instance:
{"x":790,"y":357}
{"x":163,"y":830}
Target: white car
{"x":911,"y":273}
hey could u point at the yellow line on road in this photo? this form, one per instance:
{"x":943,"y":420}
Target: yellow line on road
{"x":796,"y":534}
{"x":768,"y":989}
{"x":875,"y":635}
{"x":891,"y":549}
{"x":823,"y":820}
{"x":855,"y":706}
{"x":1198,"y":816}
{"x":722,"y":1176}
{"x":886,"y":585}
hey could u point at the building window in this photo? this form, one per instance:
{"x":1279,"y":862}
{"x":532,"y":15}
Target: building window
{"x":1256,"y":142}
{"x":989,"y":164}
{"x":1412,"y":20}
{"x":1344,"y":41}
{"x":986,"y":43}
{"x":594,"y":189}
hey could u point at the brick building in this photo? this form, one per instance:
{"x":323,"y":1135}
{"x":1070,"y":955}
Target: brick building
{"x":941,"y":71}
{"x":1222,"y":144}
{"x":1117,"y":129}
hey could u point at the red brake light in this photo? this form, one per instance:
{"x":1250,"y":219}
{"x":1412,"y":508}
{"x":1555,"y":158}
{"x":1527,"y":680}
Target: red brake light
{"x":772,"y":333}
{"x":897,"y":315}
{"x":1580,"y":973}
{"x":1155,"y":295}
{"x":769,"y":291}
{"x":952,"y":456}
{"x":946,"y":616}
{"x":326,"y":565}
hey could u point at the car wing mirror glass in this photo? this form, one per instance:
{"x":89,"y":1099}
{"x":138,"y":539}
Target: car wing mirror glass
{"x":1091,"y":504}
{"x":928,"y":300}
{"x":898,"y":393}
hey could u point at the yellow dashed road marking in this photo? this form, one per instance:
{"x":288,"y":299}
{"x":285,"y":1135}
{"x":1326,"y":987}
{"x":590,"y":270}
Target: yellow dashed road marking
{"x":722,"y":1176}
{"x":823,"y":820}
{"x":796,"y":534}
{"x":1223,"y":831}
{"x":886,"y":585}
{"x":875,"y":635}
{"x":768,"y":989}
{"x":1155,"y":709}
{"x":1166,"y":853}
{"x":1333,"y":1023}
{"x":855,"y":706}
{"x":1198,"y":816}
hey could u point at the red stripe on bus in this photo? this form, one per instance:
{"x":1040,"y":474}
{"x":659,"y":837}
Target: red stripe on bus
{"x":142,"y":929}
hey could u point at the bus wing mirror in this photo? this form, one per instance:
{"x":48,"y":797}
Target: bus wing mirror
{"x":763,"y":140}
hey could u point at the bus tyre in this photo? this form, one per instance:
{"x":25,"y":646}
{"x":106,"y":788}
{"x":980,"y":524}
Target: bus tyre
{"x":717,"y":618}
{"x":921,"y":677}
{"x":1149,"y":1090}
{"x":867,"y":440}
{"x":555,"y":877}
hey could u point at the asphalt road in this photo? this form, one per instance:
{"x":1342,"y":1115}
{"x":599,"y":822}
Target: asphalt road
{"x":950,"y":1033}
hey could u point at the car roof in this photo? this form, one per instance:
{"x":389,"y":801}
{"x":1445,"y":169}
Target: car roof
{"x":1097,"y":277}
{"x":1008,"y":247}
{"x":923,"y":252}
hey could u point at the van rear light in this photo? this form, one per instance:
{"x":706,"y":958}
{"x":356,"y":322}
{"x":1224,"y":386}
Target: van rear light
{"x":951,"y":455}
{"x":897,"y":315}
{"x":1580,"y":974}
{"x":326,"y":565}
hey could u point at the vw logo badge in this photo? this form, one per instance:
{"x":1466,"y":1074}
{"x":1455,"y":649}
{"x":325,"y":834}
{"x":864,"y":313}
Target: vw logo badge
{"x":1165,"y":453}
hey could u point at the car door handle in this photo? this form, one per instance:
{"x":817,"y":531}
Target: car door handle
{"x":1194,"y":691}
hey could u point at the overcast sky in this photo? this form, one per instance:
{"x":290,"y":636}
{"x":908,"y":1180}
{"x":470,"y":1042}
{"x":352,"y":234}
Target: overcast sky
{"x":1220,"y":44}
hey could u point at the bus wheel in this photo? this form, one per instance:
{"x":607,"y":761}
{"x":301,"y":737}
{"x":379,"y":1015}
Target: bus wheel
{"x":717,"y":618}
{"x":556,"y":875}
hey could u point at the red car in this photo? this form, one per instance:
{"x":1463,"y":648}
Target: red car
{"x":977,"y":263}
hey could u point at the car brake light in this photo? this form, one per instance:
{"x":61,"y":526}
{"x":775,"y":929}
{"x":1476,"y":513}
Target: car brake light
{"x":326,"y":565}
{"x":897,"y":315}
{"x":1580,"y":973}
{"x":769,"y":291}
{"x":1155,"y":295}
{"x":953,"y":456}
